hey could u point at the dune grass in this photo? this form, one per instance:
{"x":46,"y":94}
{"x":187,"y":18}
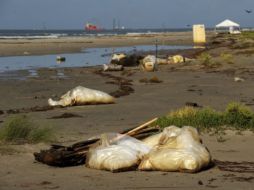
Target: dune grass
{"x":236,"y":116}
{"x":20,"y":129}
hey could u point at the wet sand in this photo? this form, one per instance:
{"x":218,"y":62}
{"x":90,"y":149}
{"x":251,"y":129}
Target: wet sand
{"x":9,"y":47}
{"x":214,"y":87}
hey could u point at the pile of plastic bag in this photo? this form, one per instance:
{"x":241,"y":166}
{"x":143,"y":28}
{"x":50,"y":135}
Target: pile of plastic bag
{"x":174,"y":149}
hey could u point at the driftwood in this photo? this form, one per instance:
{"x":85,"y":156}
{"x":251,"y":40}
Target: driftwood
{"x":74,"y":155}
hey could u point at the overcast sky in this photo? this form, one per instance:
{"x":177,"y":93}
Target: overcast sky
{"x":72,"y":14}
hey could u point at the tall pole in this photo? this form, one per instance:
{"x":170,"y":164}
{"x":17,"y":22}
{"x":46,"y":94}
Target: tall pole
{"x":156,"y":51}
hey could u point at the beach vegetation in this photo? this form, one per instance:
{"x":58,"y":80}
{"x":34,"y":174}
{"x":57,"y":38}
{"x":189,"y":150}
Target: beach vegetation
{"x":235,"y":116}
{"x":207,"y":61}
{"x":21,"y":129}
{"x":227,"y":58}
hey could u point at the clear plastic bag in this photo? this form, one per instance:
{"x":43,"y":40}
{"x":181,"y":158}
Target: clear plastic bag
{"x":116,"y":152}
{"x":177,"y":150}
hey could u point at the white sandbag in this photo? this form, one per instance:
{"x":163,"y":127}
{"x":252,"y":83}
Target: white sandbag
{"x":116,"y":153}
{"x":80,"y":96}
{"x":152,"y":141}
{"x":149,"y":63}
{"x":177,"y":150}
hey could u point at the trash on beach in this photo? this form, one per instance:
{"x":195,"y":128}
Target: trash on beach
{"x":118,"y":57}
{"x":82,"y":96}
{"x":161,"y":61}
{"x":74,"y":155}
{"x":126,"y":60}
{"x":238,"y":79}
{"x":60,"y":59}
{"x":112,"y":67}
{"x":176,"y":149}
{"x":145,"y":148}
{"x":116,"y":152}
{"x":176,"y":59}
{"x":149,"y":63}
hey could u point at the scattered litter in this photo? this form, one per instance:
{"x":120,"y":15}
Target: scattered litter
{"x":152,"y":80}
{"x":149,"y":63}
{"x":82,"y":96}
{"x":193,"y":104}
{"x":60,"y":59}
{"x":176,"y":59}
{"x":126,"y":60}
{"x":118,"y":57}
{"x":144,"y":147}
{"x":177,"y":150}
{"x":112,"y":67}
{"x":238,"y":79}
{"x":65,"y":115}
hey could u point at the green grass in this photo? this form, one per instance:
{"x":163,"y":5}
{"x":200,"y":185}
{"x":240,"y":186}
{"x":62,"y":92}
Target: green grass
{"x":207,"y":61}
{"x":20,"y":129}
{"x":236,"y":116}
{"x":248,"y":35}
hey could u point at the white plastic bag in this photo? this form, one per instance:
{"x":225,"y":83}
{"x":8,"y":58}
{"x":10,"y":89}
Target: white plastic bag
{"x":177,"y":150}
{"x":116,"y":153}
{"x":149,"y":63}
{"x":80,"y":96}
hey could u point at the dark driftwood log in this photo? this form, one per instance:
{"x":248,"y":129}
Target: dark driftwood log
{"x":74,"y":155}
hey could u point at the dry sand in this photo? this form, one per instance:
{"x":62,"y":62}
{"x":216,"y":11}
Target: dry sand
{"x":181,"y":83}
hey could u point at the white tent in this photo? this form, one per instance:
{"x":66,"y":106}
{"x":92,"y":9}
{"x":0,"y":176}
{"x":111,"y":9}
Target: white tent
{"x":228,"y":26}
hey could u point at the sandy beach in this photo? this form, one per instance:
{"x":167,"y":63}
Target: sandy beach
{"x":186,"y":82}
{"x":9,"y":47}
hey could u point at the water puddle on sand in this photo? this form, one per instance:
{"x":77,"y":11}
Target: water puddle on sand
{"x":87,"y":57}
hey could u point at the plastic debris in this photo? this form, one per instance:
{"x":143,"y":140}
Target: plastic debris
{"x":112,"y":67}
{"x":238,"y":79}
{"x":149,"y":63}
{"x":177,"y":150}
{"x":176,"y":59}
{"x":81,"y":96}
{"x":116,"y":152}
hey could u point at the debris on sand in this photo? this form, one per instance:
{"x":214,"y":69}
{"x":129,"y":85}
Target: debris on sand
{"x":126,"y":60}
{"x":151,"y":80}
{"x":82,"y":96}
{"x":112,"y":67}
{"x":239,"y":167}
{"x":65,"y":116}
{"x":149,"y":63}
{"x":135,"y":148}
{"x":193,"y":104}
{"x":238,"y":79}
{"x":124,"y":85}
{"x":28,"y":110}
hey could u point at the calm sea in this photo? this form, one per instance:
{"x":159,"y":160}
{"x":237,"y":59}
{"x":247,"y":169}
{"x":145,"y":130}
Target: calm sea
{"x":6,"y":34}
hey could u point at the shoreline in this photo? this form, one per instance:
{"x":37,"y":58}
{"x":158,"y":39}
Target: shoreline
{"x":19,"y":47}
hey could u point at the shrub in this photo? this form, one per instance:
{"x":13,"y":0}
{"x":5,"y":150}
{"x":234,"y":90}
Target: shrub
{"x":20,"y":129}
{"x":235,"y":116}
{"x":206,"y":60}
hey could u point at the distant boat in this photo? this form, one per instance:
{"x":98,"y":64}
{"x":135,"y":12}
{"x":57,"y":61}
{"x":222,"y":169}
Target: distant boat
{"x":92,"y":27}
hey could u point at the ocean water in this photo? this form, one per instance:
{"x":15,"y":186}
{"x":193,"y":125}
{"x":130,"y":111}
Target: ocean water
{"x":38,"y":34}
{"x":87,"y":57}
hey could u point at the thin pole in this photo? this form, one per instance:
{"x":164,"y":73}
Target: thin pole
{"x":156,"y":51}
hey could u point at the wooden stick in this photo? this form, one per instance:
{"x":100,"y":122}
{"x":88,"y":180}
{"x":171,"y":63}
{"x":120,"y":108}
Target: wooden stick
{"x":132,"y":132}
